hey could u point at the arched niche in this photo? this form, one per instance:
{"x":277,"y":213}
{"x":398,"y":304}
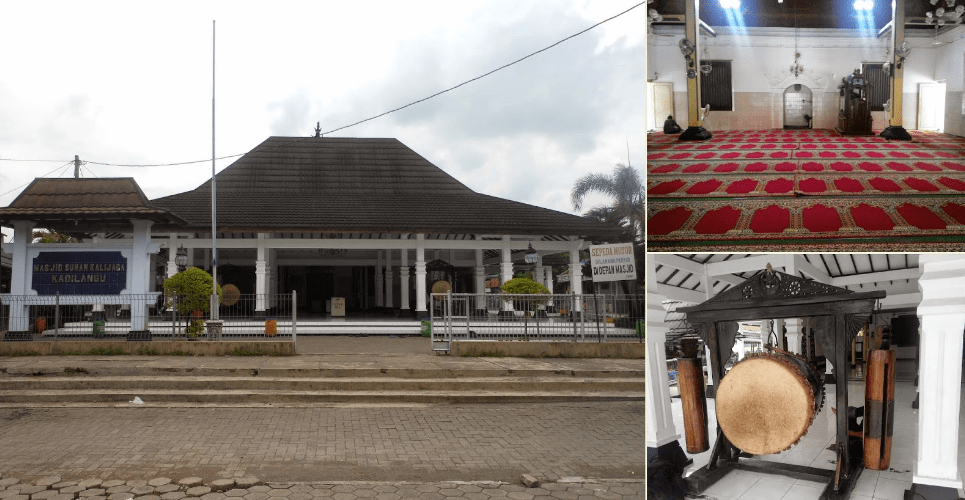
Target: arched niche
{"x":798,"y":108}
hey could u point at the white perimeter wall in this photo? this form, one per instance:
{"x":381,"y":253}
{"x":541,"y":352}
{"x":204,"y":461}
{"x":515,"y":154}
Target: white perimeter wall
{"x":760,"y":65}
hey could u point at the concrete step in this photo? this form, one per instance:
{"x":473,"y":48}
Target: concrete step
{"x":111,"y":368}
{"x":11,"y":385}
{"x":260,"y":397}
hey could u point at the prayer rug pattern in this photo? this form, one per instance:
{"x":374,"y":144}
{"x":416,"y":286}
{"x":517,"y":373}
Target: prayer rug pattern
{"x":806,"y":190}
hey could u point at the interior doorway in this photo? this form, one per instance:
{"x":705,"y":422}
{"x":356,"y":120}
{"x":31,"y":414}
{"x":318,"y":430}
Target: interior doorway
{"x":931,"y":107}
{"x":660,"y":96}
{"x":798,"y":111}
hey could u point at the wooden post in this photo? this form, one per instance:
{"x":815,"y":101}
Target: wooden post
{"x":879,"y":409}
{"x":690,"y":381}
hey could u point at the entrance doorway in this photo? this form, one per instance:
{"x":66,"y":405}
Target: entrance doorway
{"x":660,"y":96}
{"x":797,"y":107}
{"x":931,"y":107}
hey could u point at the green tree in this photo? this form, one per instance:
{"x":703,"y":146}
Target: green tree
{"x":625,"y":187}
{"x":48,"y":236}
{"x":193,"y":288}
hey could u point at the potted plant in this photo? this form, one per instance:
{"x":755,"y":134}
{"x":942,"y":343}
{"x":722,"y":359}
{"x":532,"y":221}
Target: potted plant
{"x":192,"y":289}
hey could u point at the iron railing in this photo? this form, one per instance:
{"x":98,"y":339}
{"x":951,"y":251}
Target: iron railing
{"x":566,"y":317}
{"x":114,"y":317}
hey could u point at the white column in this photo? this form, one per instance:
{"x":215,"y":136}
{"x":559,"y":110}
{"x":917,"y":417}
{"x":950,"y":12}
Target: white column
{"x":22,"y":235}
{"x":548,"y":275}
{"x":379,"y":280}
{"x":405,"y":305}
{"x":140,"y":269}
{"x":506,"y":268}
{"x":480,"y":280}
{"x":420,"y":276}
{"x":271,"y":276}
{"x":779,"y":333}
{"x":389,"y":300}
{"x":538,"y":270}
{"x":660,"y":429}
{"x":942,"y":312}
{"x":576,"y":276}
{"x":794,"y":334}
{"x":172,"y":254}
{"x":261,"y":275}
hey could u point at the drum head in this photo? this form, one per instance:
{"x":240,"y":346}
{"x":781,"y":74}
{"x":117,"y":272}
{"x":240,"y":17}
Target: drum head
{"x":765,"y":404}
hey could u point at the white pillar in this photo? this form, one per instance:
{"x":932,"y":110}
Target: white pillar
{"x":271,"y":276}
{"x":389,"y":300}
{"x":420,"y":276}
{"x":660,"y":428}
{"x":379,"y":280}
{"x":261,"y":275}
{"x":172,"y":254}
{"x":779,"y":333}
{"x":576,"y":276}
{"x":480,"y":280}
{"x":22,"y":236}
{"x":942,"y":312}
{"x":506,"y":268}
{"x":548,"y":278}
{"x":538,"y":270}
{"x":140,"y":269}
{"x":794,"y":334}
{"x":405,"y":305}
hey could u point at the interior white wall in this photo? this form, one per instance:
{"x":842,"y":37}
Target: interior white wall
{"x":760,"y":65}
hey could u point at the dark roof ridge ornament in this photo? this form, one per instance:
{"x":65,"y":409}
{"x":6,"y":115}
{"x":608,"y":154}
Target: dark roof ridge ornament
{"x":318,"y":129}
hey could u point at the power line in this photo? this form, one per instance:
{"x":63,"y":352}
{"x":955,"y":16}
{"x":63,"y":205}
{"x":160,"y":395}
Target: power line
{"x":71,"y":162}
{"x":47,"y":161}
{"x":390,"y":111}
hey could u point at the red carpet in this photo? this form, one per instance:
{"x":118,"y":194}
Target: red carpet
{"x":809,"y":190}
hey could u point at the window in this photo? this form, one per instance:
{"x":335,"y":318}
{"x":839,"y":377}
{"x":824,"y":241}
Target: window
{"x":880,"y":85}
{"x":715,"y":87}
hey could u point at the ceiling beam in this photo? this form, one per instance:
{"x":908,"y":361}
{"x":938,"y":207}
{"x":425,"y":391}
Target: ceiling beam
{"x":802,"y":265}
{"x":857,"y":279}
{"x":752,"y":263}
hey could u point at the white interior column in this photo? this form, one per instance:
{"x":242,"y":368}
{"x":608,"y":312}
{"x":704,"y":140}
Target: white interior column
{"x":480,"y":280}
{"x":379,"y":280}
{"x":172,"y":253}
{"x":942,"y":312}
{"x":420,"y":276}
{"x":140,"y":269}
{"x":22,"y":235}
{"x":404,"y":282}
{"x":779,"y":333}
{"x":389,"y":298}
{"x":794,"y":334}
{"x":660,"y":429}
{"x":261,"y":275}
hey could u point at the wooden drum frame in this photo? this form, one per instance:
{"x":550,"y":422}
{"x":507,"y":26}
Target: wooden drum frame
{"x":767,"y":402}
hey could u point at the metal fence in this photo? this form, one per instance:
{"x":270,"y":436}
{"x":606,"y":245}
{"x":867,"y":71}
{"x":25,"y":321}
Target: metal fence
{"x":115,"y":317}
{"x":500,"y":316}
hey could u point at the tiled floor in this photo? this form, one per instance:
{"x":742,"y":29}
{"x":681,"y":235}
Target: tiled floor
{"x":812,"y":451}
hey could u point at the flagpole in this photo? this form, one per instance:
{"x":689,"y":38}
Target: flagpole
{"x":214,"y":194}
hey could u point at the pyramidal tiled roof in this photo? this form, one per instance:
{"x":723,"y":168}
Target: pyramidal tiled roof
{"x":328,"y":184}
{"x":75,"y":204}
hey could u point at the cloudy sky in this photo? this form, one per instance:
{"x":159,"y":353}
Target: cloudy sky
{"x":122,"y":83}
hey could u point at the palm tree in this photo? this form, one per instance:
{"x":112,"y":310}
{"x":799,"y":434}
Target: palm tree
{"x":625,"y":186}
{"x":49,"y":236}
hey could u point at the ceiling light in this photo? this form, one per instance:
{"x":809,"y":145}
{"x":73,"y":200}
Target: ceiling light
{"x":864,"y":5}
{"x":730,"y":4}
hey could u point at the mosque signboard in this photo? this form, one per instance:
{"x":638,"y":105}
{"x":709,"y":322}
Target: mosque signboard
{"x":79,"y":273}
{"x":613,"y":262}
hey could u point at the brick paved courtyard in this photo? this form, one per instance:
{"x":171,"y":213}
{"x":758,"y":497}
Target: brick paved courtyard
{"x":375,"y":443}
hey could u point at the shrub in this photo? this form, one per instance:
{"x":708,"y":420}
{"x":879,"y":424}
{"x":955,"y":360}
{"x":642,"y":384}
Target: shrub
{"x":524,"y":285}
{"x":193,"y":287}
